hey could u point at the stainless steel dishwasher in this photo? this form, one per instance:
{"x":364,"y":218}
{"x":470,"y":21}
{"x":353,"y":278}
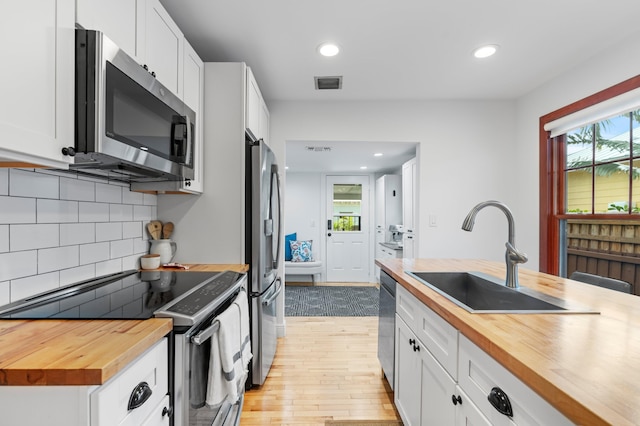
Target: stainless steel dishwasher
{"x":387,"y":325}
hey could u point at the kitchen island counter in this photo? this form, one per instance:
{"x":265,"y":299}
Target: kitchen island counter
{"x":585,"y":365}
{"x":79,"y":352}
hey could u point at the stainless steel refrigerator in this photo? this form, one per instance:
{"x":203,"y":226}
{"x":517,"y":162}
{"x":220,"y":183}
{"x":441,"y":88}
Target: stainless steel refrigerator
{"x":263,"y":246}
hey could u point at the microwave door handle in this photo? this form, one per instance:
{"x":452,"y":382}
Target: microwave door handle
{"x":189,"y":147}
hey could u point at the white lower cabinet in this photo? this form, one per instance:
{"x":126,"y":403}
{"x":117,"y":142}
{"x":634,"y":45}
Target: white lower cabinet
{"x":105,"y":405}
{"x":442,"y":378}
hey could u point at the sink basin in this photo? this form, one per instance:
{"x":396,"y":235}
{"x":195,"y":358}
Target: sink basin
{"x":480,"y":293}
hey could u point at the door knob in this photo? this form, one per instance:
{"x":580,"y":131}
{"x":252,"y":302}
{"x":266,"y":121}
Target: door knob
{"x":329,"y":234}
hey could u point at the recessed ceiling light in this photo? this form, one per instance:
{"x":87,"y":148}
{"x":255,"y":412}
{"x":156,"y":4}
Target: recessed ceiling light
{"x":377,"y":154}
{"x":485,"y":51}
{"x":328,"y":49}
{"x":363,"y":167}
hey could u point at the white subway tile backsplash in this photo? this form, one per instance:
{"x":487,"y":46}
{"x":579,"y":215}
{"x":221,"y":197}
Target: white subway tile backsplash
{"x":149,"y":199}
{"x":25,"y":287}
{"x":92,"y":253}
{"x":4,"y":181}
{"x":121,"y":248}
{"x":106,"y":193}
{"x":54,"y":259}
{"x":108,"y":231}
{"x":93,"y":212}
{"x":5,"y":293}
{"x":140,"y":246}
{"x":144,"y":213}
{"x":130,"y":197}
{"x":129,"y":230}
{"x":74,"y":275}
{"x":120,"y":212}
{"x":56,"y":211}
{"x":4,"y":238}
{"x":77,"y":233}
{"x":57,"y":229}
{"x":17,"y":210}
{"x":108,"y":267}
{"x":76,"y":189}
{"x":131,"y":262}
{"x":19,"y":264}
{"x":37,"y":185}
{"x":30,"y":237}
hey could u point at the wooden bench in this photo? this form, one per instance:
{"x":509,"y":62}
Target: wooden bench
{"x":303,"y":268}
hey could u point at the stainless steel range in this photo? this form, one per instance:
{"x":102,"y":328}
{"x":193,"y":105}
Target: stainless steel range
{"x":192,"y":299}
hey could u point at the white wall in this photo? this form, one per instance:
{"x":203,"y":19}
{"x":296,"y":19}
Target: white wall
{"x":56,"y":229}
{"x":303,"y":208}
{"x":465,"y":156}
{"x":620,"y":62}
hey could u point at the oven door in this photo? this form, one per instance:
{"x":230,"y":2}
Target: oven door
{"x":190,"y":386}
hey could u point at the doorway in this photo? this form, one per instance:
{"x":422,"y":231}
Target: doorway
{"x":347,"y":229}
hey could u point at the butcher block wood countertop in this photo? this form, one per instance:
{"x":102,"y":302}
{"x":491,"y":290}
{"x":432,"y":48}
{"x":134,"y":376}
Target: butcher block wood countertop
{"x":79,"y":352}
{"x":585,"y":365}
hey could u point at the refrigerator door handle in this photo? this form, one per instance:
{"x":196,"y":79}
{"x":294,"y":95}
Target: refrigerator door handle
{"x":273,"y":297}
{"x":274,"y":171}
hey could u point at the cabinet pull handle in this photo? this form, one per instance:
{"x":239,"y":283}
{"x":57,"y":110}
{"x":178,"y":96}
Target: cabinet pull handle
{"x":456,"y":399}
{"x":416,"y":348}
{"x":167,"y":411}
{"x":139,"y":395}
{"x":500,"y":401}
{"x":412,"y":341}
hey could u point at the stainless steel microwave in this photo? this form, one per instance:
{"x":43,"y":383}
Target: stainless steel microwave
{"x":129,"y":127}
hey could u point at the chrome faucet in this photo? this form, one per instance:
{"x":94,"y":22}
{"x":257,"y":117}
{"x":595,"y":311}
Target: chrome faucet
{"x":513,"y":256}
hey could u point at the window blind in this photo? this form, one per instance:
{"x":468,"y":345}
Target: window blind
{"x":621,"y":104}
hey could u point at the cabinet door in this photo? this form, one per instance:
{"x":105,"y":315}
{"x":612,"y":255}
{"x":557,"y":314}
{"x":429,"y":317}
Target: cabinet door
{"x":194,"y":98}
{"x":37,"y":105}
{"x":407,"y":375}
{"x":253,"y":108}
{"x":467,"y":414}
{"x":117,"y":19}
{"x":163,"y":44}
{"x":436,"y":389}
{"x":160,"y":415}
{"x":264,"y":120}
{"x":407,"y":196}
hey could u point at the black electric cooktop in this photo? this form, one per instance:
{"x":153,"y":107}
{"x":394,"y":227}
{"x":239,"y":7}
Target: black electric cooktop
{"x":126,"y":295}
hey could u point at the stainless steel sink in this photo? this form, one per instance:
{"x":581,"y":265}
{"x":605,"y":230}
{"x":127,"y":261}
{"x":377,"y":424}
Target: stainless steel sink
{"x":481,"y":293}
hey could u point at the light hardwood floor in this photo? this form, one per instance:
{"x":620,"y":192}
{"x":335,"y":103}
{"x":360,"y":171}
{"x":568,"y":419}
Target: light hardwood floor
{"x":326,"y":368}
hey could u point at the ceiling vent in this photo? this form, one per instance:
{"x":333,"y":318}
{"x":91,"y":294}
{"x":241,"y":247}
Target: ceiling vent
{"x":318,"y":148}
{"x":328,"y":83}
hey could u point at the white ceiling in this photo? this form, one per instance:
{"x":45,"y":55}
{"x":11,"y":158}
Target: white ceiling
{"x":403,"y":49}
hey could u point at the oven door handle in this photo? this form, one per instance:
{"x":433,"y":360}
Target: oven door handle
{"x":205,"y":334}
{"x":274,"y":295}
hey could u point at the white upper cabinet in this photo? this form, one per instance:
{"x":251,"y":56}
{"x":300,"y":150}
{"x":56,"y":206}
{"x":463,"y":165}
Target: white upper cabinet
{"x":37,"y":103}
{"x":118,"y":19}
{"x":163,"y":44}
{"x":194,"y":98}
{"x":257,"y":114}
{"x":144,"y":30}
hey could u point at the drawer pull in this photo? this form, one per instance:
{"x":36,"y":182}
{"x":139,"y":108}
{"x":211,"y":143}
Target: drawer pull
{"x":139,"y":395}
{"x":456,"y":399}
{"x":500,"y":401}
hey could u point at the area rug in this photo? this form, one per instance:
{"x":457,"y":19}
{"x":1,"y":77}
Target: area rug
{"x":363,"y":423}
{"x":327,"y":301}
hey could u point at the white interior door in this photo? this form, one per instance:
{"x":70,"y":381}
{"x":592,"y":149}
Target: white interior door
{"x":347,"y":229}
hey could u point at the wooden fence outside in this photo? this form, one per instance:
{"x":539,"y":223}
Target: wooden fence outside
{"x":608,"y":248}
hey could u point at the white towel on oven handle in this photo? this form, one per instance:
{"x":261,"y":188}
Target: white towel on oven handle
{"x":230,"y":354}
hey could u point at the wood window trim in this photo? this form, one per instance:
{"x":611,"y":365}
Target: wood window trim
{"x":551,"y":174}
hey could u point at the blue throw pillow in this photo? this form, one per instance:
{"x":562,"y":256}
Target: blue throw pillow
{"x":301,"y":251}
{"x":287,"y":246}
